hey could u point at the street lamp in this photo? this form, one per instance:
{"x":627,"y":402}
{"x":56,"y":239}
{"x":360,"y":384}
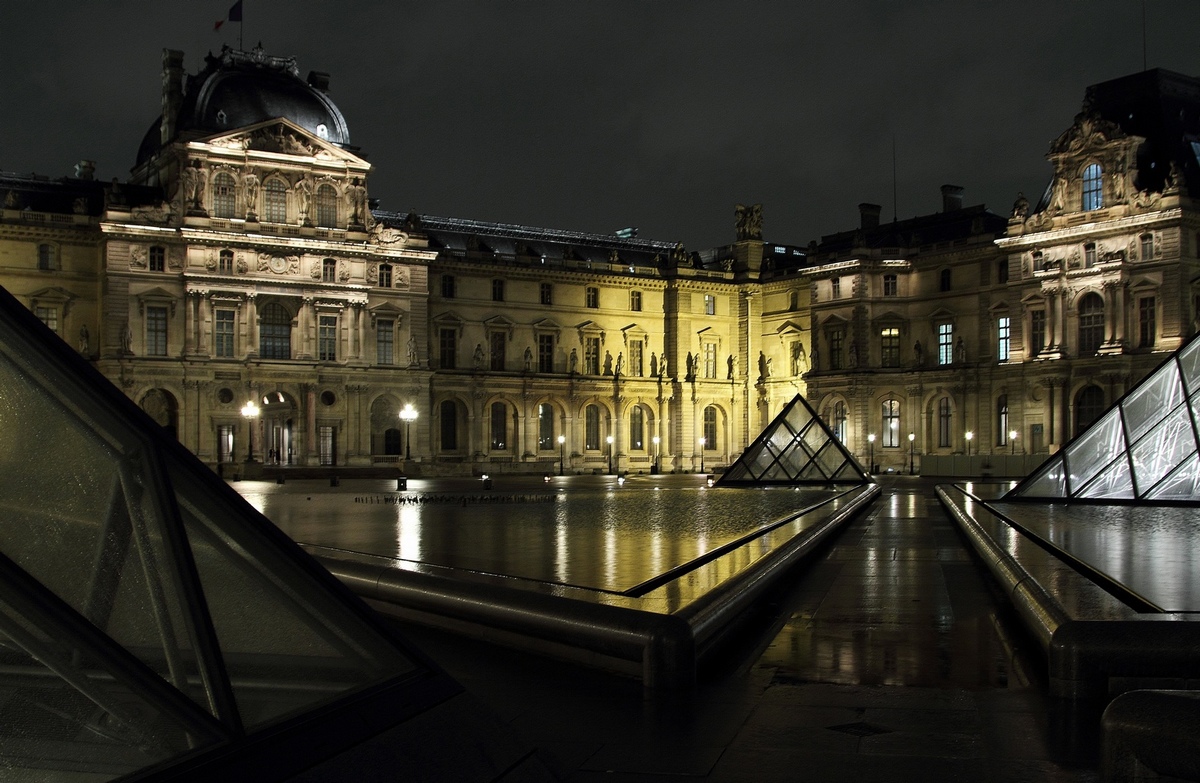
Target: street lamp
{"x":609,"y":441}
{"x":702,"y":442}
{"x":655,"y":439}
{"x":408,"y":415}
{"x":561,"y":458}
{"x":912,"y":446}
{"x":250,"y":411}
{"x":871,"y":441}
{"x":1012,"y":438}
{"x":969,"y":436}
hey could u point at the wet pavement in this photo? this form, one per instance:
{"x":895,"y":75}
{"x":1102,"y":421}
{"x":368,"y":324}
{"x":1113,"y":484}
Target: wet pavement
{"x":886,"y":656}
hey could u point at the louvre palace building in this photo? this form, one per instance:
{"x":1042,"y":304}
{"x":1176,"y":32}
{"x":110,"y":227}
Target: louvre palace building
{"x":246,"y":261}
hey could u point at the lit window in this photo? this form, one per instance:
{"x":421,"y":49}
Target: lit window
{"x":1093,"y":196}
{"x":889,"y":355}
{"x":835,"y":288}
{"x":158,"y":258}
{"x":327,"y":338}
{"x":275,"y":332}
{"x":592,"y":297}
{"x":545,"y":427}
{"x":710,"y":360}
{"x":156,"y":331}
{"x":637,"y":429}
{"x":891,"y":423}
{"x":275,"y":201}
{"x":635,"y":301}
{"x":1002,"y":338}
{"x":1002,"y":420}
{"x":839,"y":421}
{"x":224,"y":196}
{"x":710,"y":304}
{"x":385,"y":339}
{"x":945,"y":334}
{"x":889,"y":285}
{"x":223,"y":333}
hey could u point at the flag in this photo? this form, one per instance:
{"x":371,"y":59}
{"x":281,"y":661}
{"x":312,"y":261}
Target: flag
{"x":235,"y":15}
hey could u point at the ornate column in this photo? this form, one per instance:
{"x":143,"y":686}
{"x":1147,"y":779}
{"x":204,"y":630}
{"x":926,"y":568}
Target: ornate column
{"x":189,"y":323}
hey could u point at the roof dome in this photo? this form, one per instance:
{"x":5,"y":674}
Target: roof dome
{"x":237,"y":89}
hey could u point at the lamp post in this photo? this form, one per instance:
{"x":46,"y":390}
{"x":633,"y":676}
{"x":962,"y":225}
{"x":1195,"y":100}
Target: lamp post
{"x":912,"y":446}
{"x":702,"y":442}
{"x":871,"y":442}
{"x":609,"y":441}
{"x":250,"y":411}
{"x":969,"y":435}
{"x":655,"y":439}
{"x":1012,"y":439}
{"x":561,"y":454}
{"x":408,"y":415}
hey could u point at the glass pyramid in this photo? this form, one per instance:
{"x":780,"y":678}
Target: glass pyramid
{"x":796,"y":448}
{"x":1144,"y":448}
{"x":148,"y":615}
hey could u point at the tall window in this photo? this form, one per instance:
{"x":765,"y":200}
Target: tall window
{"x":385,"y":339}
{"x":591,"y":356}
{"x":636,"y":358}
{"x":45,"y":258}
{"x":449,"y":425}
{"x":591,"y":427}
{"x":944,"y":422}
{"x":328,"y":271}
{"x":793,"y":300}
{"x":889,"y":353}
{"x":591,"y":297}
{"x":223,"y":333}
{"x":710,"y":304}
{"x":274,"y":201}
{"x":158,"y":258}
{"x":275,"y":333}
{"x":1089,"y":255}
{"x":326,"y":445}
{"x":225,"y":262}
{"x":836,"y":339}
{"x":545,"y":427}
{"x":499,"y":426}
{"x":1093,"y":196}
{"x":1091,"y":324}
{"x":156,"y":331}
{"x":710,"y":428}
{"x":1146,"y":324}
{"x":1002,"y":420}
{"x":496,"y":342}
{"x":447,"y":349}
{"x":945,"y":333}
{"x":710,"y":360}
{"x":225,"y":443}
{"x":449,"y":289}
{"x":835,"y":288}
{"x":637,"y":429}
{"x":1037,"y":331}
{"x":547,"y":294}
{"x":385,"y":275}
{"x":545,"y":353}
{"x":1003,"y":337}
{"x":224,"y":196}
{"x":48,"y":316}
{"x":635,"y":301}
{"x":1146,"y":246}
{"x":889,"y":285}
{"x":326,"y":206}
{"x":1089,"y":404}
{"x":497,"y":290}
{"x":891,"y":423}
{"x":327,"y":338}
{"x":1002,"y":271}
{"x":944,"y":280}
{"x":839,"y":421}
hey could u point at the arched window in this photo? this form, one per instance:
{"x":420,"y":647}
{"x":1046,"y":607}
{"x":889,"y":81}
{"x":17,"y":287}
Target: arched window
{"x":944,"y":422}
{"x":499,"y":426}
{"x":591,"y":427}
{"x":449,"y":425}
{"x":274,"y":201}
{"x":224,"y":196}
{"x":1093,"y":195}
{"x":326,"y":206}
{"x":637,"y":429}
{"x":1002,"y":420}
{"x":275,"y":333}
{"x":839,"y":421}
{"x":225,"y":262}
{"x":710,"y":428}
{"x":891,"y":423}
{"x":944,"y":283}
{"x":546,"y":427}
{"x":1089,"y":404}
{"x":1091,"y":324}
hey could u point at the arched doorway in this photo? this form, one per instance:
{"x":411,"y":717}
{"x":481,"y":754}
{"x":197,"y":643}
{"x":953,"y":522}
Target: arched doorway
{"x":278,"y":418}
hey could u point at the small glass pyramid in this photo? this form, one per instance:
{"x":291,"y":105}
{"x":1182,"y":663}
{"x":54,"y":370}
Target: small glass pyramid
{"x":1143,"y":448}
{"x":796,"y":448}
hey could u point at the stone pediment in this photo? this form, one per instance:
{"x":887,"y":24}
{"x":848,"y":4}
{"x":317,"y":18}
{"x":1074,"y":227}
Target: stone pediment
{"x":1088,"y":133}
{"x":790,"y":327}
{"x":281,"y":136}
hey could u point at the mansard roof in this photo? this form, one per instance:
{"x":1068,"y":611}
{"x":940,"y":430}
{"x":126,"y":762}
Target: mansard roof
{"x":69,"y":195}
{"x":948,"y":226}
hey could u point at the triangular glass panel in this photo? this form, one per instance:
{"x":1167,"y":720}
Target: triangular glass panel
{"x":1151,"y":400}
{"x":1048,"y":481}
{"x":1182,"y":484}
{"x":807,"y":451}
{"x":1095,"y":448}
{"x":1189,"y":363}
{"x":1163,"y":448}
{"x":1113,"y":482}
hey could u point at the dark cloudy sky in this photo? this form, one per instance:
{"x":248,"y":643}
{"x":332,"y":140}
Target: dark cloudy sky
{"x":598,"y":115}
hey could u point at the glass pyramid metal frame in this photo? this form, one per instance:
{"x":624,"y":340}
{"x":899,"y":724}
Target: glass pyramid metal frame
{"x":797,"y":447}
{"x":152,"y":623}
{"x":1145,"y":448}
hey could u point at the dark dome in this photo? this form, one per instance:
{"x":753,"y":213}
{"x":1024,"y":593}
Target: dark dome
{"x":237,"y":89}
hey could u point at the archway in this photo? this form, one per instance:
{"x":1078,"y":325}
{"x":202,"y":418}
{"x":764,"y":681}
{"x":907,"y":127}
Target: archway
{"x":278,"y":421}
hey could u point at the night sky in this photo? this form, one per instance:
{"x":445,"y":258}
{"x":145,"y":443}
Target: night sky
{"x":598,"y":115}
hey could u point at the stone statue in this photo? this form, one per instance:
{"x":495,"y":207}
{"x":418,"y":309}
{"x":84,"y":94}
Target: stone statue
{"x":653,"y":365}
{"x":478,"y":357}
{"x":250,"y":182}
{"x":689,"y":371}
{"x":620,"y":362}
{"x":413,"y":356}
{"x":608,"y":363}
{"x":356,"y":198}
{"x":816,"y":355}
{"x":574,"y":361}
{"x":127,"y":341}
{"x":799,"y":359}
{"x":748,"y":221}
{"x":730,"y":364}
{"x":84,"y":340}
{"x":193,"y":178}
{"x":853,"y":355}
{"x":919,"y":353}
{"x":1020,"y":206}
{"x":303,"y":196}
{"x":960,"y":351}
{"x":528,"y":359}
{"x":764,"y":368}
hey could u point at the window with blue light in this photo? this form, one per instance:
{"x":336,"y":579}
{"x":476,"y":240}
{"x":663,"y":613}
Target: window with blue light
{"x":1093,"y":197}
{"x":945,"y":335}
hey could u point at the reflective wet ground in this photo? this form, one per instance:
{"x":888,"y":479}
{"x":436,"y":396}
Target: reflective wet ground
{"x":885,"y":657}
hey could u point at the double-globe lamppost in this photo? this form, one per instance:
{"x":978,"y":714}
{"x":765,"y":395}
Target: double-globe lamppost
{"x":562,"y":439}
{"x":250,"y":411}
{"x":408,"y":416}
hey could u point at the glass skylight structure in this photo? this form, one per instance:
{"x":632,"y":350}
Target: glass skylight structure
{"x":1146,"y":447}
{"x":796,"y":448}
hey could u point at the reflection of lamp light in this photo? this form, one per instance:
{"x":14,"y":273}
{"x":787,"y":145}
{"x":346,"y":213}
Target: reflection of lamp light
{"x":969,"y":435}
{"x":1012,"y":438}
{"x":561,"y":440}
{"x":609,"y":441}
{"x":871,"y":441}
{"x":408,"y":415}
{"x":250,"y":411}
{"x":702,"y":442}
{"x":912,"y":446}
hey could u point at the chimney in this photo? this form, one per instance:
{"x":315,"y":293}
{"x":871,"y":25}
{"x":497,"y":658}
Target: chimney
{"x":85,"y":169}
{"x":172,"y":93}
{"x":868,"y":216}
{"x":951,"y":198}
{"x":318,"y":80}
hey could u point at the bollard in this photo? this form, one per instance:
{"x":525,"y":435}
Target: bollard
{"x":487,"y":483}
{"x":402,"y":482}
{"x":334,"y":481}
{"x":279,"y":479}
